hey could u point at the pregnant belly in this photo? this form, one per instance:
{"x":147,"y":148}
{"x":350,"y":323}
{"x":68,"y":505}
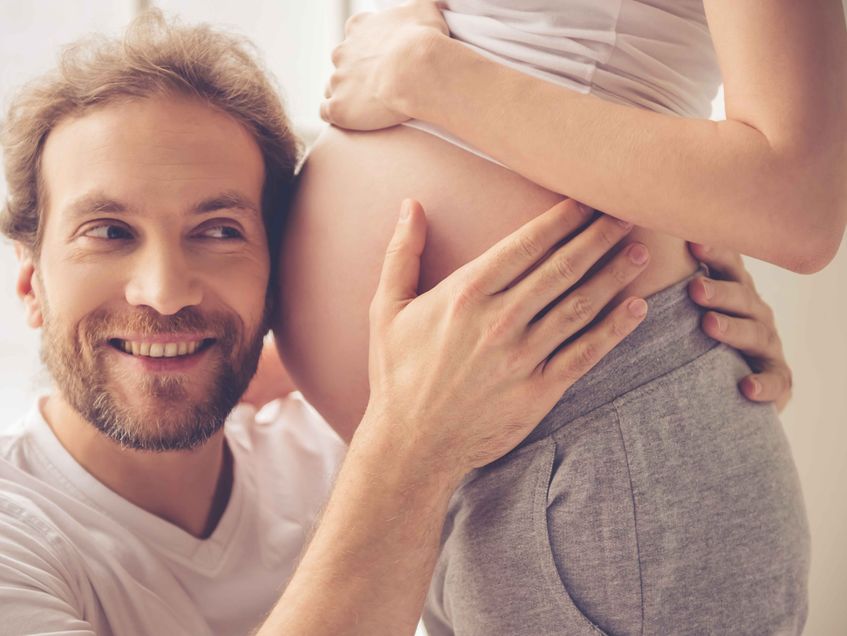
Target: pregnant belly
{"x":347,"y":200}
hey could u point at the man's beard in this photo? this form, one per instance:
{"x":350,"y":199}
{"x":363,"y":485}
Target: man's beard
{"x":174,"y":421}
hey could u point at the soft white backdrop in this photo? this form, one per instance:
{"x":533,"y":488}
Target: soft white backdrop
{"x":296,"y":38}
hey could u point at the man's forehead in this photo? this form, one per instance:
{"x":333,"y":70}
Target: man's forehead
{"x":174,"y":153}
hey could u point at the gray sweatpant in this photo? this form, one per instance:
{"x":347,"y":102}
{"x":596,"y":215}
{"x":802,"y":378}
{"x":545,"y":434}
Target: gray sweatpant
{"x":653,"y":499}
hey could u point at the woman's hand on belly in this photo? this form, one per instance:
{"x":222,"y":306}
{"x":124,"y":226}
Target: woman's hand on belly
{"x":371,"y":58}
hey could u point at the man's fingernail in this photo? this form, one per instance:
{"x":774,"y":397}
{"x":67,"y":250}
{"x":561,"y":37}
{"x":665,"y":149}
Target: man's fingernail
{"x":708,"y":289}
{"x":405,"y":210}
{"x":624,"y":224}
{"x":637,"y":307}
{"x":720,"y":321}
{"x":755,"y":387}
{"x":638,"y":254}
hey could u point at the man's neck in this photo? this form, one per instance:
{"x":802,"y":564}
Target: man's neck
{"x":190,"y":489}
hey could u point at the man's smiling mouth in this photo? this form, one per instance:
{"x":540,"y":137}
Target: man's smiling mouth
{"x":172,"y":349}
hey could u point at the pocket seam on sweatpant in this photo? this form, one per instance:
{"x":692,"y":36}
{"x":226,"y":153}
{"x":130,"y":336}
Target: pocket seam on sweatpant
{"x":544,"y":550}
{"x":634,"y":513}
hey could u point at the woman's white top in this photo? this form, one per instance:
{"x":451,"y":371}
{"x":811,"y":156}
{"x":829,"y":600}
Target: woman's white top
{"x":654,"y":54}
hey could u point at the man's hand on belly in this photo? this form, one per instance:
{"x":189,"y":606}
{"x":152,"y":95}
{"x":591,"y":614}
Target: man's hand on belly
{"x":466,"y":370}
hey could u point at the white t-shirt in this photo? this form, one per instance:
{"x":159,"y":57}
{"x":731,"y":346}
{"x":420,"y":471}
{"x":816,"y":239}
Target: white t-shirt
{"x":76,"y":558}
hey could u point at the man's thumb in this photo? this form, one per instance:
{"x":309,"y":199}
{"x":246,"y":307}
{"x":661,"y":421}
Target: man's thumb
{"x":401,"y":270}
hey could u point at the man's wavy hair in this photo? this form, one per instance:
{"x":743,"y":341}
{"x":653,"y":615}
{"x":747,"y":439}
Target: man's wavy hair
{"x":156,"y":56}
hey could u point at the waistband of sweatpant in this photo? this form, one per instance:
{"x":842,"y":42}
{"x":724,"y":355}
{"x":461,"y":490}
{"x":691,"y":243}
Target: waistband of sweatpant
{"x":668,"y":338}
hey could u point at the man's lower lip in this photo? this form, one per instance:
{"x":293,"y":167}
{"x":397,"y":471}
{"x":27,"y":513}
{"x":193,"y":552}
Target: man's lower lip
{"x":164,"y":365}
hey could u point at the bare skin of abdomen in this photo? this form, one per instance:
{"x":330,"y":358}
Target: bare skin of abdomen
{"x":343,"y":215}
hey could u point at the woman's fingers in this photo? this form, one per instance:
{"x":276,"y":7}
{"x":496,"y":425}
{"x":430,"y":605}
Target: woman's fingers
{"x":769,"y":386}
{"x":728,"y":297}
{"x":510,"y":258}
{"x":753,"y":338}
{"x":583,"y":304}
{"x":742,"y":320}
{"x":566,"y":266}
{"x":722,"y":263}
{"x":573,"y":361}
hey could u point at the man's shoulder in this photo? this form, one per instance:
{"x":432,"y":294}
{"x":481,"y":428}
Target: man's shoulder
{"x":288,"y":424}
{"x":290,"y":450}
{"x":33,"y":545}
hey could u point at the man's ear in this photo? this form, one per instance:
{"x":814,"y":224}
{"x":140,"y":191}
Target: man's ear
{"x":27,"y":286}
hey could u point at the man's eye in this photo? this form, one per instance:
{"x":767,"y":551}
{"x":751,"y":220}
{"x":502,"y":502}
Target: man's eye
{"x":221,"y":232}
{"x":109,"y":232}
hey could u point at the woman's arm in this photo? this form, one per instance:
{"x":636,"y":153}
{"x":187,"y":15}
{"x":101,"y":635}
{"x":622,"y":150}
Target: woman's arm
{"x":770,"y":181}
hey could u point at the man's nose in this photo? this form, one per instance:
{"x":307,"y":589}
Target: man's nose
{"x":163,"y":280}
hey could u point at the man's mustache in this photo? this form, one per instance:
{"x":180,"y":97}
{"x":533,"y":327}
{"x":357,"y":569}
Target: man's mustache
{"x":104,"y":325}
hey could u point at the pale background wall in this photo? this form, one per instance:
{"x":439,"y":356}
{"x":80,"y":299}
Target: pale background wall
{"x":296,"y":37}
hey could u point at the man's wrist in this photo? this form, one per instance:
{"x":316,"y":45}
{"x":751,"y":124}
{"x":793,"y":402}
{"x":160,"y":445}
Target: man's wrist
{"x":403,"y":450}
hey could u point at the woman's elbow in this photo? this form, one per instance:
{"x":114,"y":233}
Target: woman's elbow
{"x":809,"y":250}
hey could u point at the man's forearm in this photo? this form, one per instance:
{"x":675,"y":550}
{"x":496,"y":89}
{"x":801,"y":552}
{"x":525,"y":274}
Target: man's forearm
{"x":386,"y":509}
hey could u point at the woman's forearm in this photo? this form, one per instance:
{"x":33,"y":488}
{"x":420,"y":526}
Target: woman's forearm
{"x":722,"y":183}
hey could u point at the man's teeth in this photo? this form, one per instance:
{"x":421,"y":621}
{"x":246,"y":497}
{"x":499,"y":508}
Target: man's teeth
{"x":161,"y":349}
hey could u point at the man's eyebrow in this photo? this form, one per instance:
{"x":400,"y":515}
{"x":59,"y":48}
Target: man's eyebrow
{"x":99,"y":203}
{"x":95,"y":203}
{"x":230,"y":200}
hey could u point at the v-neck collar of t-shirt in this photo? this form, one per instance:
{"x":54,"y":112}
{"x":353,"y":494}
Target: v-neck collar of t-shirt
{"x":203,"y":555}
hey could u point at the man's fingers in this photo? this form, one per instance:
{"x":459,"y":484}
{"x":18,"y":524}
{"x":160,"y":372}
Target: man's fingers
{"x":575,"y":360}
{"x":582,"y":305}
{"x":511,"y":257}
{"x":728,"y":297}
{"x":401,"y":269}
{"x":722,"y":263}
{"x":562,"y":269}
{"x":752,"y":337}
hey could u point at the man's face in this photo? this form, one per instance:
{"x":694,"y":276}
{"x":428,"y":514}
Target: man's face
{"x":153,"y":272}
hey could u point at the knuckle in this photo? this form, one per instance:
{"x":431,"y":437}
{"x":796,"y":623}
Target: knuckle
{"x":501,"y":326}
{"x":606,"y":234}
{"x":465,"y":296}
{"x":764,"y":335}
{"x":767,"y":311}
{"x":587,"y":355}
{"x":515,"y":362}
{"x":336,"y":54}
{"x":569,"y":373}
{"x":580,"y":308}
{"x":788,"y":378}
{"x":571,"y":208}
{"x":621,"y":274}
{"x":351,"y":22}
{"x":528,"y":246}
{"x":619,"y":330}
{"x":564,"y":267}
